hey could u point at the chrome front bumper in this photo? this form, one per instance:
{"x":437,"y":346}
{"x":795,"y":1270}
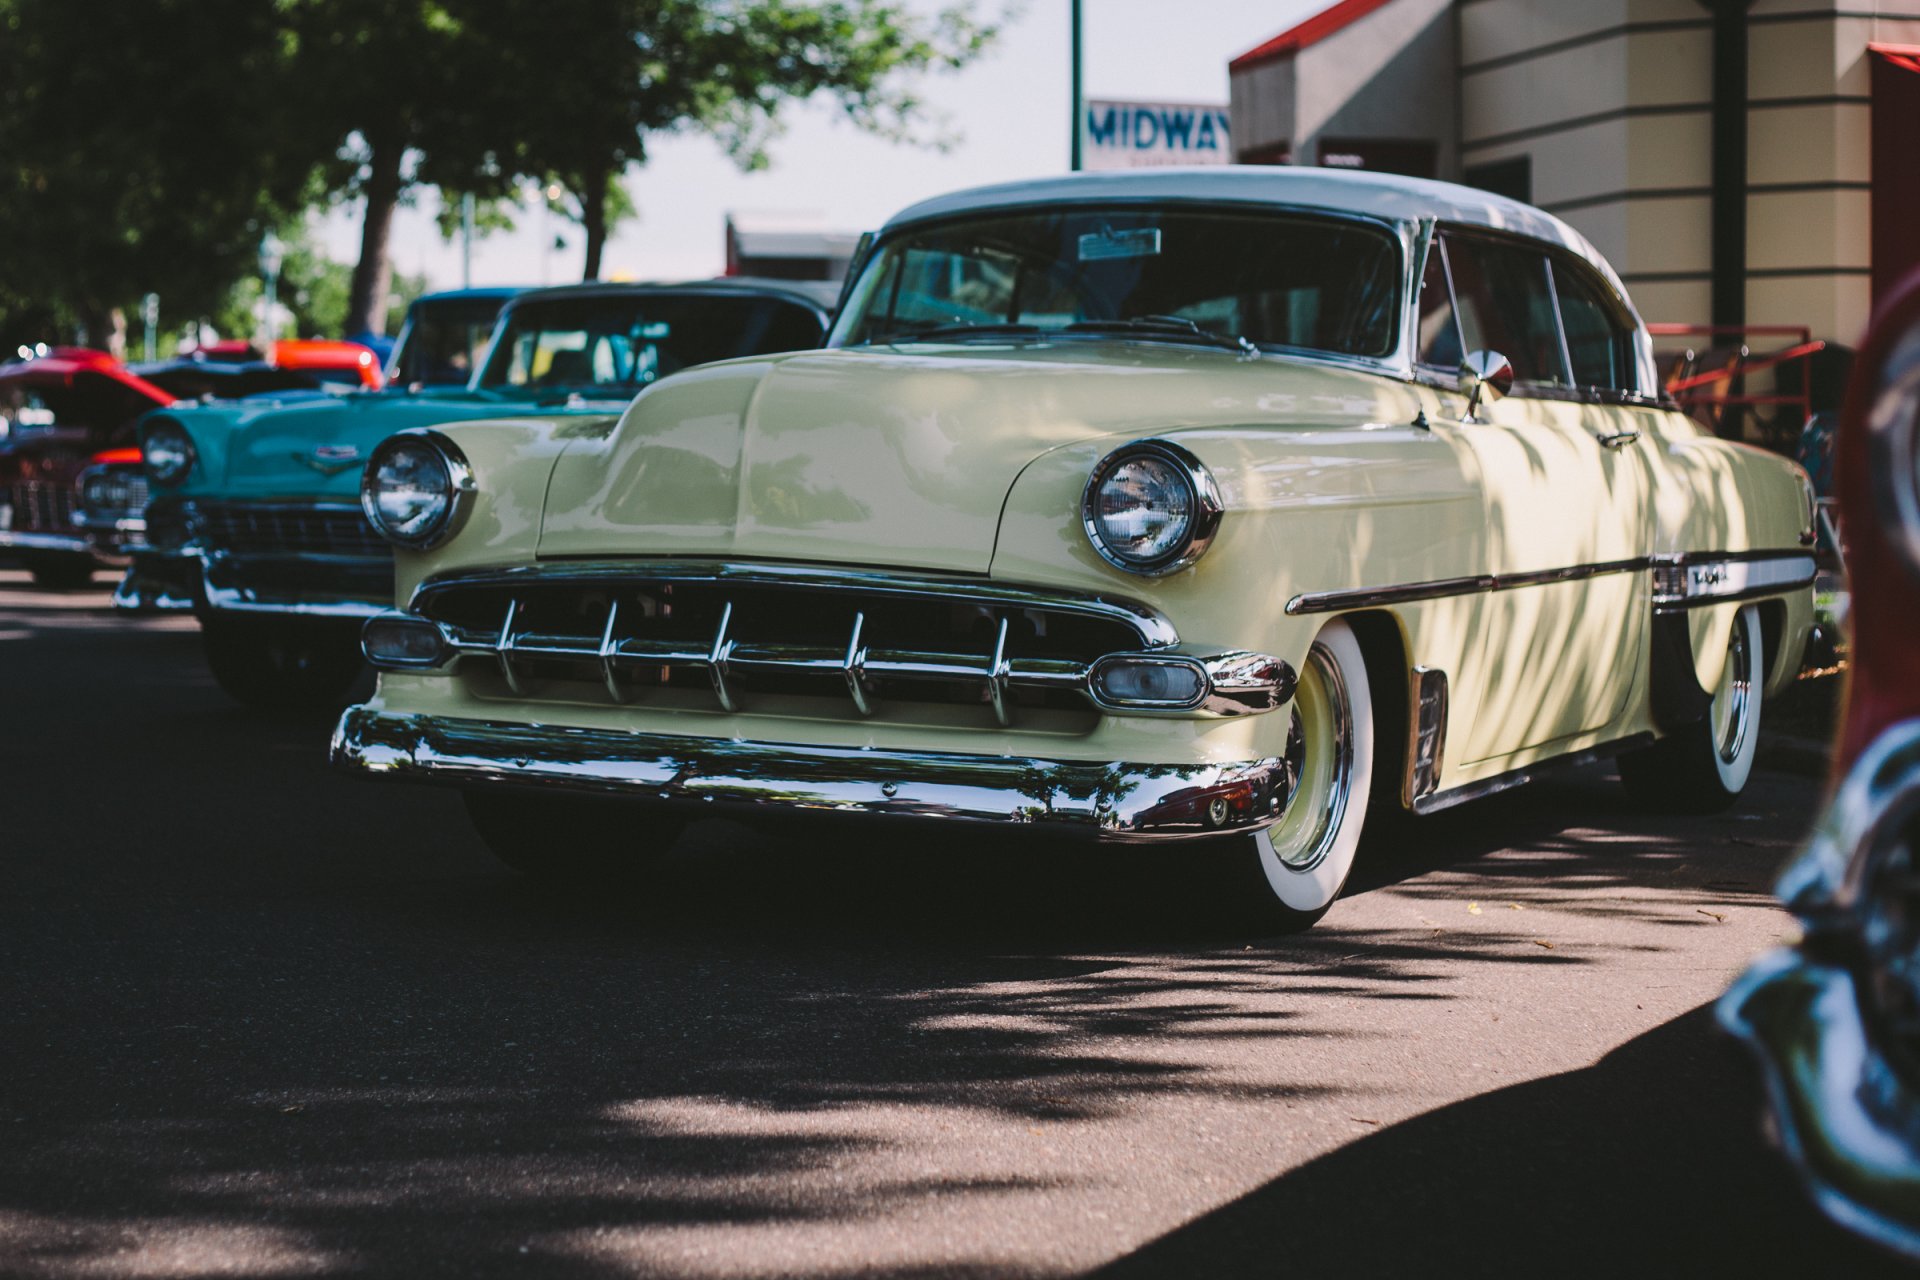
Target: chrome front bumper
{"x":1109,"y":801}
{"x":31,"y":540}
{"x":1848,"y":1117}
{"x":258,"y":586}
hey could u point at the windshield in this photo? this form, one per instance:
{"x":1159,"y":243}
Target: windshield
{"x":613,"y":347}
{"x":443,"y":342}
{"x":1277,"y":280}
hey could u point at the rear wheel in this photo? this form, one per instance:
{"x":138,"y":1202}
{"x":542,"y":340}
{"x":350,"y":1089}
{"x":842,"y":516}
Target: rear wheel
{"x":1704,"y":766}
{"x":60,"y":572}
{"x":1286,"y":877}
{"x":569,"y":840}
{"x":282,"y":666}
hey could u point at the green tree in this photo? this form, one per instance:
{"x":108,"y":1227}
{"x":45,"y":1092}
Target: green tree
{"x":733,"y":68}
{"x":408,"y":93}
{"x":143,"y":148}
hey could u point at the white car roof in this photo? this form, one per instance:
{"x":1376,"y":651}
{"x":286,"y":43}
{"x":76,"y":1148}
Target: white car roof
{"x":1380,"y":195}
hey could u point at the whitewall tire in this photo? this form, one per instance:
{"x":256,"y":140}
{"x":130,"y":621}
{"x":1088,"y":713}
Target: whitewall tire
{"x":1290,"y":873}
{"x":1704,"y":766}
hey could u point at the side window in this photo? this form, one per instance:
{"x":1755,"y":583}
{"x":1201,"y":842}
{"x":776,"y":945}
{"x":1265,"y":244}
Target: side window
{"x":1505,"y":303}
{"x":1439,"y":334}
{"x":1599,"y":335}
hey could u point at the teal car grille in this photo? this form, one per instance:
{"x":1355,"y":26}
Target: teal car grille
{"x":289,"y":528}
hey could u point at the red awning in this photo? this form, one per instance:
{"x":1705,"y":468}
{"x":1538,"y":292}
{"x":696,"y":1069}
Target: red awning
{"x":1312,"y":31}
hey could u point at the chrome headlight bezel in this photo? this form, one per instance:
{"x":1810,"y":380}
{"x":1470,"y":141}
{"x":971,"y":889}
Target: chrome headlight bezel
{"x":456,"y":476}
{"x":1204,"y":505}
{"x":166,"y":466}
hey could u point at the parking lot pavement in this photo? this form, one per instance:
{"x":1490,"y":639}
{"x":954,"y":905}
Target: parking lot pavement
{"x":260,"y":1020}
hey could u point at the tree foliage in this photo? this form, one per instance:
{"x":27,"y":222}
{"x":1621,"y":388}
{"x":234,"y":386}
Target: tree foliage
{"x":143,"y":148}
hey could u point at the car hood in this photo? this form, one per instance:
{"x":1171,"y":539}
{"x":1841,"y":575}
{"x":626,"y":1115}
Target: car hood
{"x":895,"y":456}
{"x":319,"y":448}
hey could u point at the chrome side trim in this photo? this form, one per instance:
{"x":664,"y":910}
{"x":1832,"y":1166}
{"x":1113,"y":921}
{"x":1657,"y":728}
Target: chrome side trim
{"x":1153,"y":627}
{"x":1439,"y":800}
{"x":1112,"y":801}
{"x":1689,"y":581}
{"x":1763,"y":573}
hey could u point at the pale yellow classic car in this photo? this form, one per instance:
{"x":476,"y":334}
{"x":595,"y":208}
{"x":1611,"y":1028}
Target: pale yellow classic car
{"x":1221,"y":508}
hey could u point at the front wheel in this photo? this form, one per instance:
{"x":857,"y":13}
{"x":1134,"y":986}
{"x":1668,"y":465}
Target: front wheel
{"x":1704,"y":766}
{"x":282,"y":666}
{"x":1287,"y":876}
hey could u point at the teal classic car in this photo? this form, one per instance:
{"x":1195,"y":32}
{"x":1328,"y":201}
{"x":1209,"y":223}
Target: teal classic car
{"x":256,"y":522}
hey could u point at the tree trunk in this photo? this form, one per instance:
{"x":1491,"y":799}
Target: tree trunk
{"x":103,"y":329}
{"x":373,"y":274}
{"x":593,"y":219}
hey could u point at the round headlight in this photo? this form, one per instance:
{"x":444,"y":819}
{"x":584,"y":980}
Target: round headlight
{"x":167,"y":450}
{"x":1151,"y":507}
{"x":416,"y":488}
{"x":1893,"y":426}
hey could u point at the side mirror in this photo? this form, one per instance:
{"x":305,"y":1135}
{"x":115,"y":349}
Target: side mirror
{"x":1484,"y":375}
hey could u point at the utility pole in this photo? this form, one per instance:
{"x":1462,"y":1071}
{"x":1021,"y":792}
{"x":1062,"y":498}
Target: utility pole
{"x":1079,"y":99}
{"x":466,"y":241}
{"x":272,"y":254}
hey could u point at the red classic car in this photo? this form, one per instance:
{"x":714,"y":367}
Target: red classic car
{"x":72,"y":494}
{"x":60,"y":413}
{"x":1835,"y":1020}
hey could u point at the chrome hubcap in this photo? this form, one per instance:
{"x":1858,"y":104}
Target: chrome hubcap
{"x":1320,"y":759}
{"x":1732,"y":702}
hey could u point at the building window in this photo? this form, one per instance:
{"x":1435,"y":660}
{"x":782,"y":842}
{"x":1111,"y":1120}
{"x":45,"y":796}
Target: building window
{"x":1267,"y":153}
{"x":1512,"y":178}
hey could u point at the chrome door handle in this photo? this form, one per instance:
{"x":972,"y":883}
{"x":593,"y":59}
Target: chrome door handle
{"x":1618,"y":439}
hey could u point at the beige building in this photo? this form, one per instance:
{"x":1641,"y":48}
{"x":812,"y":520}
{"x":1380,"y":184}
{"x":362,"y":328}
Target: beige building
{"x":1739,"y":161}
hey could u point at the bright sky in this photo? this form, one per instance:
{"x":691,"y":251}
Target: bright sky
{"x":1010,"y":109}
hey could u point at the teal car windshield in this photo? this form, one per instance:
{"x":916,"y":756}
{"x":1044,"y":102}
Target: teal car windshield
{"x":613,"y":347}
{"x":1224,"y":277}
{"x":443,"y":341}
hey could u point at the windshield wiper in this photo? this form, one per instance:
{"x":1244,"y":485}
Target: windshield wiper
{"x":1173,"y":328}
{"x":963,"y":330}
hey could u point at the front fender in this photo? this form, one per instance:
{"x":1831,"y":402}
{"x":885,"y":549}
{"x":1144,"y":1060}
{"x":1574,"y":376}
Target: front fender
{"x":512,"y":461}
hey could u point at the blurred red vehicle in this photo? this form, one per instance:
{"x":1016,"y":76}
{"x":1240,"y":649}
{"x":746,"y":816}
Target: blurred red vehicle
{"x":349,"y":362}
{"x":66,"y":428}
{"x":1835,"y":1020}
{"x":59,"y":413}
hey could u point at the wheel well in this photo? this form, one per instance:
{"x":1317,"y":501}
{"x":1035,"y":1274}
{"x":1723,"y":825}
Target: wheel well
{"x":1389,"y":677}
{"x":1773,"y":625}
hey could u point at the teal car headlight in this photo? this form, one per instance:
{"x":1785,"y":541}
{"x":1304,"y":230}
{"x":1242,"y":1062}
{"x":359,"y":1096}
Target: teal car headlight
{"x":167,"y":451}
{"x":417,"y":489}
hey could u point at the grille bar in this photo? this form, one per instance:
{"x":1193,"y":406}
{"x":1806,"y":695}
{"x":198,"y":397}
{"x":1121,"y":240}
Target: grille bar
{"x":42,"y":505}
{"x":996,"y":673}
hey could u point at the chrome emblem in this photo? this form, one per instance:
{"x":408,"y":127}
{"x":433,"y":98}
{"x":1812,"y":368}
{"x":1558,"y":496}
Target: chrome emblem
{"x":330,"y":459}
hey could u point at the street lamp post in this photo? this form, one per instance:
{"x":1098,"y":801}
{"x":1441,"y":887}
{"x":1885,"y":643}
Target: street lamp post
{"x":272,"y":254}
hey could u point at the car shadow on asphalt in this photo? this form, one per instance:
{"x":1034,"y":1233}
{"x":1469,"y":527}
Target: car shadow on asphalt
{"x":1648,"y":1163}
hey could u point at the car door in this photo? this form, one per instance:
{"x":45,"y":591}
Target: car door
{"x":1565,"y":507}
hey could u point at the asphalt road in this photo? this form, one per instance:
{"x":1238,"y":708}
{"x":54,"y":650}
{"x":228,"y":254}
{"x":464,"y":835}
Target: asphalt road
{"x":259,"y":1020}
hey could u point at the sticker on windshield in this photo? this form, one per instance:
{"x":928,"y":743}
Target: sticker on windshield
{"x":655,"y":329}
{"x":1142,"y":242}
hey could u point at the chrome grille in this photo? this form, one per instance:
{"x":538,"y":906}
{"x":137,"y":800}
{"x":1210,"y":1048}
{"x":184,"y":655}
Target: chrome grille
{"x":42,"y":505}
{"x":109,"y":493}
{"x":861,"y":641}
{"x":289,"y":528}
